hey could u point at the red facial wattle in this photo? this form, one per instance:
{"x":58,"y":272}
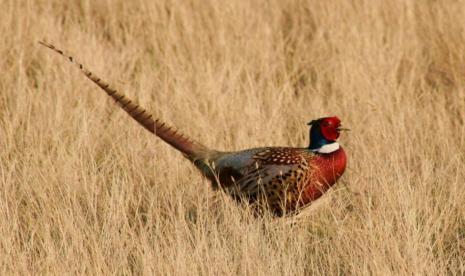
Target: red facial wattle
{"x":329,"y":128}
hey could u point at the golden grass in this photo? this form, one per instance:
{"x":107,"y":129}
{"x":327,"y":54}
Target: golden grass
{"x":84,"y":189}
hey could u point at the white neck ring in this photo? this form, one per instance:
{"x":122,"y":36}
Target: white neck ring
{"x":329,"y":148}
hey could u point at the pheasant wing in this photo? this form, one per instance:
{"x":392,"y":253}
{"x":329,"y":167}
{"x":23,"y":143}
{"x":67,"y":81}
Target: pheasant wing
{"x":274,"y":173}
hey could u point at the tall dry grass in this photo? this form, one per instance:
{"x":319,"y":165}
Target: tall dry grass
{"x":84,"y":189}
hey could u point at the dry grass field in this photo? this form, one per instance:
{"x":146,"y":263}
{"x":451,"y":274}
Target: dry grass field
{"x":86,"y":190}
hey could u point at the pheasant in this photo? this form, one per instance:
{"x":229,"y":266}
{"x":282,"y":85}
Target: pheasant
{"x":280,"y":179}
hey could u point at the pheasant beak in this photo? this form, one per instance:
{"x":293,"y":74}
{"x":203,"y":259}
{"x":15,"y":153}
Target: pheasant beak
{"x":342,"y":129}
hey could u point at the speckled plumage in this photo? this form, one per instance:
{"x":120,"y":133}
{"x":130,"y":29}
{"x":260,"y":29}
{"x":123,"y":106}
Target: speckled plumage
{"x":277,"y":178}
{"x":281,"y":179}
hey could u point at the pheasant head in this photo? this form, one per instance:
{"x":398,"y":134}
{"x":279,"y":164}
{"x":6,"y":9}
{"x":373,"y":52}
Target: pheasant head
{"x":324,"y":133}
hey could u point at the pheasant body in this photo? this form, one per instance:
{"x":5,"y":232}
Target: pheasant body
{"x":281,"y":179}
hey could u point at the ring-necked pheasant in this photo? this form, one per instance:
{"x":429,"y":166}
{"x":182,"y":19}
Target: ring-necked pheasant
{"x":282,"y":179}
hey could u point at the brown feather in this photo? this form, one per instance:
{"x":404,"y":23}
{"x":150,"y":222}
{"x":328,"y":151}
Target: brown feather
{"x":185,"y":145}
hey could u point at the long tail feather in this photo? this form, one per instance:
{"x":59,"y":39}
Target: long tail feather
{"x":171,"y":136}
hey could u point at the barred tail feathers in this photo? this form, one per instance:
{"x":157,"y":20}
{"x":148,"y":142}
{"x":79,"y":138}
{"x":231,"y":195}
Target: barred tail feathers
{"x":171,"y":136}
